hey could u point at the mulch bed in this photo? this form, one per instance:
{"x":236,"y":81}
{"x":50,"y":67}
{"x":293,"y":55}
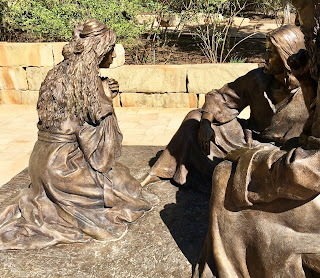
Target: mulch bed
{"x":186,"y":50}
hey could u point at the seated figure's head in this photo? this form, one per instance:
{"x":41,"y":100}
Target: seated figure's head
{"x":280,"y":45}
{"x":91,"y":39}
{"x":71,"y":88}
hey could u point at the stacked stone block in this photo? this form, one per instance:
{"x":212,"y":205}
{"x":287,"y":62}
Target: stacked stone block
{"x":172,"y":86}
{"x":23,"y":67}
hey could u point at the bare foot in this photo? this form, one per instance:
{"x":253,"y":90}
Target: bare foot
{"x":149,"y":179}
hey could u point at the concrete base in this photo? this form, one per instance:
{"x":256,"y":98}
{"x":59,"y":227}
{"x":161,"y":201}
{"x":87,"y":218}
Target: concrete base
{"x":166,"y":242}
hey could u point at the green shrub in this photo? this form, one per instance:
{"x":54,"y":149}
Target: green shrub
{"x":53,"y":20}
{"x":236,"y":59}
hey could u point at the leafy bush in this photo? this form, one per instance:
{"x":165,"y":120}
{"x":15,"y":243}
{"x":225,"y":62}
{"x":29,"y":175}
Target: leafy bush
{"x":236,"y":60}
{"x":213,"y":30}
{"x":53,"y":20}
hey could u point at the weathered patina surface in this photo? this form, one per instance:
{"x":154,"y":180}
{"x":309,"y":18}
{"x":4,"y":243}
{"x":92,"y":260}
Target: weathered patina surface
{"x":166,"y":242}
{"x":206,"y":136}
{"x":78,"y":192}
{"x":264,"y":210}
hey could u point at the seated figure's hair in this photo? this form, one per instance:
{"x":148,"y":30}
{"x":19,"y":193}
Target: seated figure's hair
{"x":288,"y":40}
{"x":70,"y":89}
{"x":311,"y":33}
{"x":302,"y":3}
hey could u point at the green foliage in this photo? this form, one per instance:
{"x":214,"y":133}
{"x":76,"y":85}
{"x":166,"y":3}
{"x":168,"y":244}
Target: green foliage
{"x":53,"y":20}
{"x":214,"y":30}
{"x":236,"y":59}
{"x":266,"y":7}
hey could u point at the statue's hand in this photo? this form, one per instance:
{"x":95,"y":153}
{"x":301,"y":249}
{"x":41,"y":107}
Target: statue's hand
{"x":299,"y":65}
{"x":205,"y":135}
{"x":106,"y":89}
{"x":114,"y":86}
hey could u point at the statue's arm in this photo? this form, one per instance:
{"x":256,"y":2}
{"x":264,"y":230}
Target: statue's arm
{"x":222,"y":106}
{"x":110,"y":87}
{"x":100,"y":144}
{"x":264,"y":175}
{"x":225,"y":104}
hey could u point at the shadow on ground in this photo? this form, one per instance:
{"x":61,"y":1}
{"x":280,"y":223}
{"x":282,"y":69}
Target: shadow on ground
{"x":166,"y":242}
{"x":187,"y":221}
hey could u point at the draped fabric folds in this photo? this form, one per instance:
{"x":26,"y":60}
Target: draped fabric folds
{"x":264,"y":216}
{"x":78,"y":191}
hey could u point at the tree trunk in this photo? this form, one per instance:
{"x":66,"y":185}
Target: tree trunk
{"x":286,"y":12}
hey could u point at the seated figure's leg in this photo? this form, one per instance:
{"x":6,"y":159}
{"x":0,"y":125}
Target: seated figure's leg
{"x":174,"y":157}
{"x":184,"y":161}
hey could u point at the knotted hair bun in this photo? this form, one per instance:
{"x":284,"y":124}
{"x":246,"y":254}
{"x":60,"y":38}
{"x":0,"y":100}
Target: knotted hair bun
{"x":88,"y":33}
{"x":92,"y":27}
{"x":68,"y":50}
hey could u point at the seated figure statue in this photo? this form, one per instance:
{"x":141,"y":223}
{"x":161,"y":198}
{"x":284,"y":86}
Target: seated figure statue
{"x":207,"y":135}
{"x":77,"y":192}
{"x":264,"y":213}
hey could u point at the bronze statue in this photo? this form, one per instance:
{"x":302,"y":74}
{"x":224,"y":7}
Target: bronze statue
{"x":264,"y":213}
{"x":78,"y":191}
{"x":206,"y":136}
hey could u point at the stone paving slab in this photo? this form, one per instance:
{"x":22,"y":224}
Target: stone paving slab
{"x":166,"y":242}
{"x":139,"y":126}
{"x":18,"y":132}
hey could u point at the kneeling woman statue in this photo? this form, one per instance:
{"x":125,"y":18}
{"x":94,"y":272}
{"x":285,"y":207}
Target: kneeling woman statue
{"x":78,"y":191}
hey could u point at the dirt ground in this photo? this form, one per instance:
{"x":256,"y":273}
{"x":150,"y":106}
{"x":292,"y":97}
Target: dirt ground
{"x":187,"y":51}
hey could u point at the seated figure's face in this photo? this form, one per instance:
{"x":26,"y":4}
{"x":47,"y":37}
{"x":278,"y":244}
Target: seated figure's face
{"x":274,"y":64}
{"x":108,"y":58}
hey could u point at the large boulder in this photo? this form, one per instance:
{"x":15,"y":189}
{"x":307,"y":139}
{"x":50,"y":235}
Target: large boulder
{"x":35,"y":76}
{"x":164,"y":100}
{"x":26,"y":54}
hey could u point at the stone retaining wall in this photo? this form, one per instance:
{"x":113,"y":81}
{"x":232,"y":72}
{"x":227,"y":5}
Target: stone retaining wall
{"x":23,"y":67}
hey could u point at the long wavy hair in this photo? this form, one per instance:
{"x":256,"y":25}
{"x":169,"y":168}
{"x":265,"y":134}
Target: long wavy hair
{"x":311,"y":10}
{"x":70,"y":89}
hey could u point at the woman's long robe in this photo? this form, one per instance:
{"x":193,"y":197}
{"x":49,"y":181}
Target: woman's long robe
{"x":78,"y":191}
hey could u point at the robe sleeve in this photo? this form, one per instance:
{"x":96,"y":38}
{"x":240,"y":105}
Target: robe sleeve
{"x":101,"y":141}
{"x":267,"y":174}
{"x":226,"y":103}
{"x":100,"y":144}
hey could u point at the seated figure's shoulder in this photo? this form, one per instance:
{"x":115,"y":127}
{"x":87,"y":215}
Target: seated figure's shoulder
{"x":260,"y":75}
{"x":253,"y":76}
{"x":257,"y":78}
{"x":257,"y":74}
{"x":252,"y":79}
